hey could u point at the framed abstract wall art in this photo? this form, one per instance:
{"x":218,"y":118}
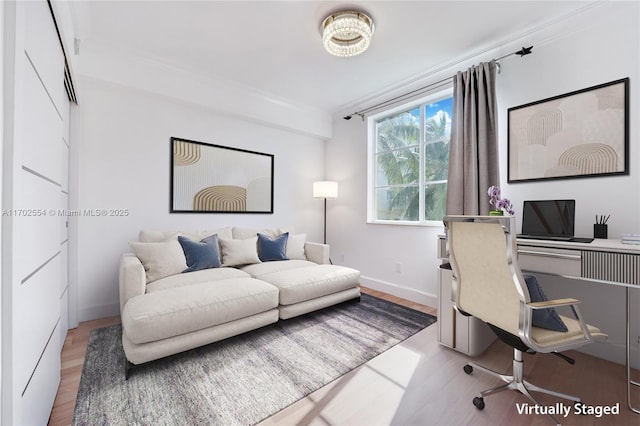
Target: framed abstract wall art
{"x":207,"y":178}
{"x":579,"y":134}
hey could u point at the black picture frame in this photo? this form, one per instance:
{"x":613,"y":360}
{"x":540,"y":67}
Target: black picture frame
{"x":580,"y":134}
{"x":209,"y":178}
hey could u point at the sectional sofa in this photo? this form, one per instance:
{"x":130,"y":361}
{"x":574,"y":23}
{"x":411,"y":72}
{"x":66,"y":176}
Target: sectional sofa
{"x":181,"y":290}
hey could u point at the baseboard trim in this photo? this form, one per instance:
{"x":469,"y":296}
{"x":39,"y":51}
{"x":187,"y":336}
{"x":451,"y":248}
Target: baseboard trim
{"x":612,"y":351}
{"x":98,"y":311}
{"x":400,"y":291}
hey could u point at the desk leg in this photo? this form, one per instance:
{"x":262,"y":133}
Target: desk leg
{"x":630,"y":382}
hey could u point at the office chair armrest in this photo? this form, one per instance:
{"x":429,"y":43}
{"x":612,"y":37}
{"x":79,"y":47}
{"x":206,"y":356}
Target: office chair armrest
{"x":575,"y":308}
{"x":553,"y":303}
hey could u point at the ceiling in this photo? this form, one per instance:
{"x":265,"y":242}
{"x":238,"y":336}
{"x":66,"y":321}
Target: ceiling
{"x":275,"y":47}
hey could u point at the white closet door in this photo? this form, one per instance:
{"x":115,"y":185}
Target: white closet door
{"x":39,"y":193}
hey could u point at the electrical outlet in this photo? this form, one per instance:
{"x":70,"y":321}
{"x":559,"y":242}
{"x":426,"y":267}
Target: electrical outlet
{"x":399,"y":267}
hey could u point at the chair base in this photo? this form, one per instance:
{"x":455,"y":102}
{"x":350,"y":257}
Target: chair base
{"x":514,"y":382}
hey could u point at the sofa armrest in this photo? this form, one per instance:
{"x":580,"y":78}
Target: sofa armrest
{"x":317,"y":252}
{"x":133,"y":279}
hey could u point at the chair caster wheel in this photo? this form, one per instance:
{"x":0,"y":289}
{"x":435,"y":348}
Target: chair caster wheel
{"x":478,"y":401}
{"x":468,"y":369}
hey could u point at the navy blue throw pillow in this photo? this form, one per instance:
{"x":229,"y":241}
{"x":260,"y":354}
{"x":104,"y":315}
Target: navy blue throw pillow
{"x":544,"y":318}
{"x":201,"y":255}
{"x":272,"y":248}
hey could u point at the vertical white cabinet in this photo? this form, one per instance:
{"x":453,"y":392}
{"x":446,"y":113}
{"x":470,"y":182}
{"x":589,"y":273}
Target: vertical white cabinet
{"x":465,"y":334}
{"x":35,"y":180}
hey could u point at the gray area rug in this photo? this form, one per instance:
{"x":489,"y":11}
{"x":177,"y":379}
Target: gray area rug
{"x":244,"y":379}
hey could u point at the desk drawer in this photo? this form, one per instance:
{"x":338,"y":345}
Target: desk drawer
{"x":616,"y":267}
{"x":550,"y":260}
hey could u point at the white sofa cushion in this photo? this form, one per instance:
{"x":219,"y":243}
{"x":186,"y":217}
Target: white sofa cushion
{"x":160,"y":259}
{"x":239,"y":252}
{"x":300,"y":280}
{"x":295,"y":246}
{"x":149,"y":351}
{"x":146,"y":236}
{"x":259,"y":269}
{"x":197,"y":277}
{"x":298,"y":285}
{"x":173,"y":312}
{"x":240,"y":233}
{"x":290,"y":311}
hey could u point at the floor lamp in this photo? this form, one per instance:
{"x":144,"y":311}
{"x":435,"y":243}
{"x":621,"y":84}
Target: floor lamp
{"x":327,"y":190}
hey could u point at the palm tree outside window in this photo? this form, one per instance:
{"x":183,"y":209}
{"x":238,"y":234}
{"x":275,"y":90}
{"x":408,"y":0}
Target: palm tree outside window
{"x":411,"y":162}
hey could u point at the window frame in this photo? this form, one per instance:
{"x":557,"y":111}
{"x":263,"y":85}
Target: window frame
{"x":372,"y":142}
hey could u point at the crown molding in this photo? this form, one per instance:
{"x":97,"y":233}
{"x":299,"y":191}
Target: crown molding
{"x":549,"y":29}
{"x":138,"y":70}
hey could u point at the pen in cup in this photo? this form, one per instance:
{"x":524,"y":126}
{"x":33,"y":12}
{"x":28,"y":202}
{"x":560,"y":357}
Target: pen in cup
{"x":600,"y":227}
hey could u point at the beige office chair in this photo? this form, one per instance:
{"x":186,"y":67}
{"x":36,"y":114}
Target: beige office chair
{"x":488,"y":284}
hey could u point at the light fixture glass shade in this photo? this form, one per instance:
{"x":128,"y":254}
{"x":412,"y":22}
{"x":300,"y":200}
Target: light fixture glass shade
{"x":325,"y":189}
{"x":347,"y":33}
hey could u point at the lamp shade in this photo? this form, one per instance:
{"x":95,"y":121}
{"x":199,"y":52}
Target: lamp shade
{"x":325,"y":189}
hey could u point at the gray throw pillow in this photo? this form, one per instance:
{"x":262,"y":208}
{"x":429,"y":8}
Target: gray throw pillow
{"x":200,"y":255}
{"x":544,"y":318}
{"x":270,"y":249}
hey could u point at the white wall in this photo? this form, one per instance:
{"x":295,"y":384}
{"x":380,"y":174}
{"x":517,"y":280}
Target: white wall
{"x":123,"y":163}
{"x":134,"y":69}
{"x":2,"y":37}
{"x":374,"y":249}
{"x":604,"y":49}
{"x":598,"y":46}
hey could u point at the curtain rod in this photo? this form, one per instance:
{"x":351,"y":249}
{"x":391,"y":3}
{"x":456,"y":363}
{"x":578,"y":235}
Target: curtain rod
{"x":522,"y":52}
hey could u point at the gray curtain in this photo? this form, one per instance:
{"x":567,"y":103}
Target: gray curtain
{"x":473,"y":150}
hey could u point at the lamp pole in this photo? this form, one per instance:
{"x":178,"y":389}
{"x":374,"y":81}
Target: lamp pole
{"x":325,"y":221}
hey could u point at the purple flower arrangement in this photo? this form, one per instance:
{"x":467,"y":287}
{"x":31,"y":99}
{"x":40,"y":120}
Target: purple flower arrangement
{"x":498,"y":202}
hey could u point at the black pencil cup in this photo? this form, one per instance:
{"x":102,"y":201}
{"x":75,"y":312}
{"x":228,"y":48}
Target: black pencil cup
{"x":599,"y":230}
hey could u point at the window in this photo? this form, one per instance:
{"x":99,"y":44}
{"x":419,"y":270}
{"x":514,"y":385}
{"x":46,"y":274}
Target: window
{"x":409,"y":160}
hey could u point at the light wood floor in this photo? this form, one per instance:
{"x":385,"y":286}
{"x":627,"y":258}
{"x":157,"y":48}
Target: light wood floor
{"x":417,"y":382}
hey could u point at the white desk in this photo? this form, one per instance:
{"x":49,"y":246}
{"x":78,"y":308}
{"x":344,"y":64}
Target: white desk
{"x":604,"y":261}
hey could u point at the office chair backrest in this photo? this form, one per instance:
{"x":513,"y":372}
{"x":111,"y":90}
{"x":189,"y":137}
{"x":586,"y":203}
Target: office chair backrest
{"x":487,"y":282}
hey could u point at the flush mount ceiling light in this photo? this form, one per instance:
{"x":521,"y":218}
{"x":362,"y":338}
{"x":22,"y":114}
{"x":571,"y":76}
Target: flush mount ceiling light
{"x":347,"y":33}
